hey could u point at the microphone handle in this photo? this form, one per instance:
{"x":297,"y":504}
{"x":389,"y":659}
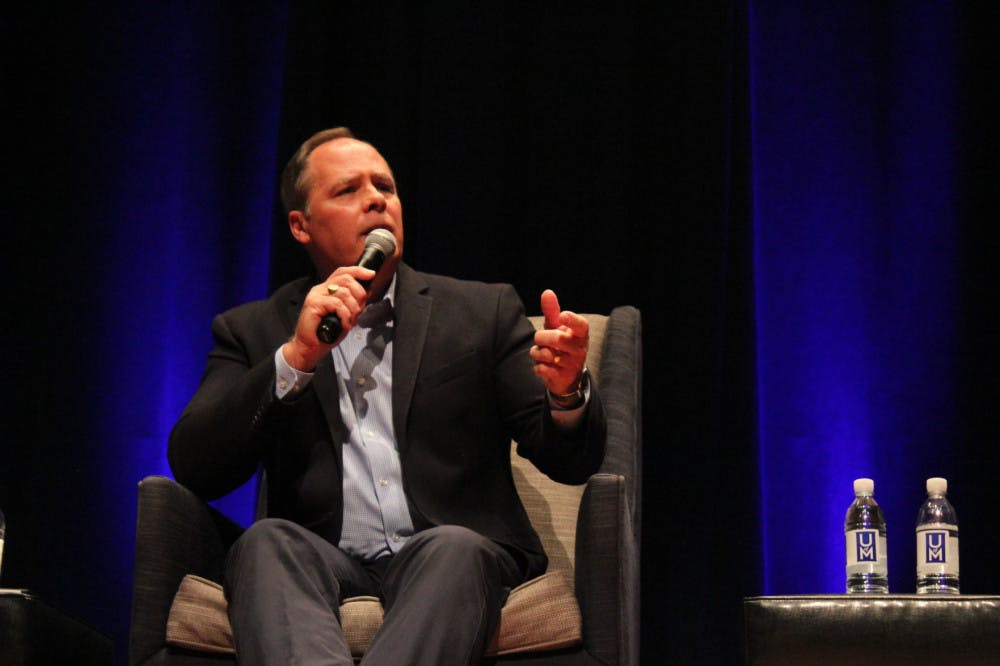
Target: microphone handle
{"x":330,"y":328}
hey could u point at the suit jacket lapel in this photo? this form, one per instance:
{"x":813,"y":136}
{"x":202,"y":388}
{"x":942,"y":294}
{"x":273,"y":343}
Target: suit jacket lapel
{"x":412,"y":316}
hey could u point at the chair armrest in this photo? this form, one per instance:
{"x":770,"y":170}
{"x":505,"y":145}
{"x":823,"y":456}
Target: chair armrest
{"x":176,"y":534}
{"x":621,"y":394}
{"x":607,"y":571}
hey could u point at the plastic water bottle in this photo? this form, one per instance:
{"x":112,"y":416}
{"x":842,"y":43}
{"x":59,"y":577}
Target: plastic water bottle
{"x":937,"y":542}
{"x":864,"y":533}
{"x":3,"y":532}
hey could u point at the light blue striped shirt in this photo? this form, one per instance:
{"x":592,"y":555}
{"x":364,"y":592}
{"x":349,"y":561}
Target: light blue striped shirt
{"x":376,"y":520}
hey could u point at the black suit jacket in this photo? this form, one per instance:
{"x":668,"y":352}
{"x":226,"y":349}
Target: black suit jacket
{"x":462,"y":387}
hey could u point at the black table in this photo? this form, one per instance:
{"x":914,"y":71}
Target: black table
{"x":32,"y":633}
{"x":884,"y":629}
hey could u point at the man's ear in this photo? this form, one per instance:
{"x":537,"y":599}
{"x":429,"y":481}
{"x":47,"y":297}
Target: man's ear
{"x":298,"y":225}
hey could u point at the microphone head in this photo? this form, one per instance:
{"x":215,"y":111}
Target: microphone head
{"x":381,"y":239}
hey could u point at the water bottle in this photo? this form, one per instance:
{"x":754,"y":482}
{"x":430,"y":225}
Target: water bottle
{"x":937,"y":542}
{"x":3,"y":531}
{"x":864,"y":533}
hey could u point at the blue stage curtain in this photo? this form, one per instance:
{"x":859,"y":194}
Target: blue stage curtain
{"x":140,"y":152}
{"x":854,"y":142}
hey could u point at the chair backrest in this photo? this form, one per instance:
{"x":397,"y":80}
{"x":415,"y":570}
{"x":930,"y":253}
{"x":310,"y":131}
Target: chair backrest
{"x":553,"y":507}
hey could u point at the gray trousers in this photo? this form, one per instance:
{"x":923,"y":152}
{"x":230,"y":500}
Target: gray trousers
{"x":442,"y":595}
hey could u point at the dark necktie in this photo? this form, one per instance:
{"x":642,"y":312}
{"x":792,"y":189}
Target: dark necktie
{"x":376,"y":317}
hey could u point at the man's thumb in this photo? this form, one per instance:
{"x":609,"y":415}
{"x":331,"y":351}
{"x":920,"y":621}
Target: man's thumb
{"x":550,"y":308}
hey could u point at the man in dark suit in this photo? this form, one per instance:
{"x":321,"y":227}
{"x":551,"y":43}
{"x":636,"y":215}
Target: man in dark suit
{"x":387,"y":452}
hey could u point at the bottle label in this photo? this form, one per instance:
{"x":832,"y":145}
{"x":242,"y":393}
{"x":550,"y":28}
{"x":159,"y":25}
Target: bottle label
{"x":866,"y":552}
{"x":937,"y":549}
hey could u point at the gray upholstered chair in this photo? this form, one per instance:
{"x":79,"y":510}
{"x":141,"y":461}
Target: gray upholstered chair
{"x":583,"y":610}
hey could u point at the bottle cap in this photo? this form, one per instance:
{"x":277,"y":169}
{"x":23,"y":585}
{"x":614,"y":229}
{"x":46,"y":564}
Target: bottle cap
{"x":864,"y":486}
{"x":937,"y":486}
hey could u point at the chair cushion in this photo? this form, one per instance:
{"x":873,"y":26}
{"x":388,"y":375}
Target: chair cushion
{"x":360,"y":617}
{"x":541,"y":614}
{"x":199,"y":617}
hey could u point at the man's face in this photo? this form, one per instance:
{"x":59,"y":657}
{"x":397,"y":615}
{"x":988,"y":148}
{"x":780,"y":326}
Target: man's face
{"x":351,"y":192}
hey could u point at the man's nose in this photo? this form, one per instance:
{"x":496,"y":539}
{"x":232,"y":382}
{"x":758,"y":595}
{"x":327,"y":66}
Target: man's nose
{"x":374,"y":199}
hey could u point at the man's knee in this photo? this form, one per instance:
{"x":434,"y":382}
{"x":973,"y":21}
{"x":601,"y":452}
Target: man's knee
{"x":267,"y":535}
{"x":457,"y":549}
{"x":273,"y":543}
{"x":450,"y":570}
{"x":450,"y":538}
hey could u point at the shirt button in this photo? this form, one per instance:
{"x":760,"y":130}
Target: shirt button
{"x":383,"y":483}
{"x":282,"y":383}
{"x":396,"y":538}
{"x":361,"y":381}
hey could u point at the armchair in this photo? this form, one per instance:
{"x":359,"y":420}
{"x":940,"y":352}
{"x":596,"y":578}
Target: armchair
{"x":583,"y":610}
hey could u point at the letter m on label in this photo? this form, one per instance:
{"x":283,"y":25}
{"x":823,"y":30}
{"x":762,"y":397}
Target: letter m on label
{"x":866,"y":546}
{"x":935,"y":547}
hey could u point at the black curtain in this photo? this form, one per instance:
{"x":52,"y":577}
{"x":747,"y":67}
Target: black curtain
{"x":976,"y":443}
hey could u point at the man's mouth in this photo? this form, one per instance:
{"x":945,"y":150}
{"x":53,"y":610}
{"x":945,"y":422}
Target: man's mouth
{"x":387,"y":227}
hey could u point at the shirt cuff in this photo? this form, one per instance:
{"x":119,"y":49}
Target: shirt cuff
{"x":288,"y":382}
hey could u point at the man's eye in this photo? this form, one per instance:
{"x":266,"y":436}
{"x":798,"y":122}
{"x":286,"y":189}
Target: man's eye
{"x":386,"y":187}
{"x":346,"y":190}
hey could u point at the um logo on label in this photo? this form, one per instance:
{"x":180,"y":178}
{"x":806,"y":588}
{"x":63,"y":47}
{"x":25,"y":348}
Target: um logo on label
{"x":865,"y":541}
{"x":935,"y":547}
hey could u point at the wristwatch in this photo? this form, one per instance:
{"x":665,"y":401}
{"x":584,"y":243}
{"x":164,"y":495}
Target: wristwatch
{"x":573,"y":399}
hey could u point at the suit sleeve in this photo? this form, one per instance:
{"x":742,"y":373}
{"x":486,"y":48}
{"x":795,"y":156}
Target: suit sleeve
{"x":226,"y":429}
{"x":566,"y":456}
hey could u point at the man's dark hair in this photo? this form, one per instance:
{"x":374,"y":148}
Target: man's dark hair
{"x":294,"y":179}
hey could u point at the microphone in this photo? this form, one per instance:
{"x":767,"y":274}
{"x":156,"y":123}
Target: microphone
{"x":379,"y":244}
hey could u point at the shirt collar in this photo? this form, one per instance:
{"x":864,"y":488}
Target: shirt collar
{"x":381,"y":310}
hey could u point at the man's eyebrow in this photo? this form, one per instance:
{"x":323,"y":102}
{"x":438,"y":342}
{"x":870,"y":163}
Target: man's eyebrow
{"x":381,"y":175}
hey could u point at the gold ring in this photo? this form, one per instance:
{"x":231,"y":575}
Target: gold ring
{"x":332,"y":288}
{"x":556,"y":359}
